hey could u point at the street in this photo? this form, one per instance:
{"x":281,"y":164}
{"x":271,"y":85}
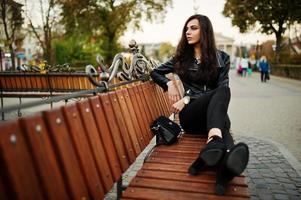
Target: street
{"x":269,"y":111}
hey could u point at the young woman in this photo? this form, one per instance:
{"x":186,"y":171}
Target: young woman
{"x":203,"y":71}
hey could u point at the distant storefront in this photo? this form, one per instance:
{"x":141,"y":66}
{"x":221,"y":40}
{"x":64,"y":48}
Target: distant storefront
{"x":225,"y":44}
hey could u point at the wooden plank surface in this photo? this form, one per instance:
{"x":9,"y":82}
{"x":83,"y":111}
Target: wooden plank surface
{"x":66,"y":153}
{"x":135,"y":118}
{"x":115,"y":132}
{"x":122,"y":127}
{"x":96,"y":144}
{"x":128,"y":119}
{"x":158,"y":194}
{"x":44,"y":157}
{"x":188,"y":186}
{"x":139,"y":110}
{"x":17,"y":171}
{"x":164,"y":175}
{"x":84,"y":151}
{"x":106,"y":137}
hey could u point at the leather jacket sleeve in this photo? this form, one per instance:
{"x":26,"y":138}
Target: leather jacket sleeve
{"x":158,"y":74}
{"x":223,"y":79}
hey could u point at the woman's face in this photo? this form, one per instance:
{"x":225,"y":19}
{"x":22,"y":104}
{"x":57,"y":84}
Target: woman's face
{"x":193,"y":31}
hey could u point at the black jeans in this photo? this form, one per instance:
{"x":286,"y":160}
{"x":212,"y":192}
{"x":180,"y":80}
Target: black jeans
{"x":264,"y":76}
{"x":208,"y":111}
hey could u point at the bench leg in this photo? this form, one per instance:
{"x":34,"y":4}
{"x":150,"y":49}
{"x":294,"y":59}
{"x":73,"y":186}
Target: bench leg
{"x":19,"y":109}
{"x":119,"y":188}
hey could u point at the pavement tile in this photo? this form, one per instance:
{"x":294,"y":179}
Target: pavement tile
{"x":293,"y":192}
{"x":281,"y":197}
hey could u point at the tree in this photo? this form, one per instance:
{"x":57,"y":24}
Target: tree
{"x":166,"y":50}
{"x":43,"y":27}
{"x":109,"y":19}
{"x":12,"y":20}
{"x":273,"y":16}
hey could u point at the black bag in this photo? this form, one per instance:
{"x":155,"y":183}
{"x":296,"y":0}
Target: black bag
{"x":166,"y":130}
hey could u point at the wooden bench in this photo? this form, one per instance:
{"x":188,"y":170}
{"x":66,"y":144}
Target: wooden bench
{"x":36,"y":85}
{"x":50,"y":82}
{"x":79,"y":151}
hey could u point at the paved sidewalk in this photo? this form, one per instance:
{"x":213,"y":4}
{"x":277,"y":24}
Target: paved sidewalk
{"x":272,"y":173}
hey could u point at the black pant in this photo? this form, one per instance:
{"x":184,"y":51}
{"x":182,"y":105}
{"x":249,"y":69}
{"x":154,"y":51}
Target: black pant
{"x":264,"y":76}
{"x":208,"y":111}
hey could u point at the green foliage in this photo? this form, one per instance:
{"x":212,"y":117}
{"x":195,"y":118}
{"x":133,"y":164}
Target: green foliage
{"x":78,"y":51}
{"x":107,"y":20}
{"x":273,"y":16}
{"x":166,"y":50}
{"x":270,"y":14}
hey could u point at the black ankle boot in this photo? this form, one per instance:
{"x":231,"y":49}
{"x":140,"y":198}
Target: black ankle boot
{"x":233,"y":164}
{"x":223,"y":177}
{"x":209,"y":156}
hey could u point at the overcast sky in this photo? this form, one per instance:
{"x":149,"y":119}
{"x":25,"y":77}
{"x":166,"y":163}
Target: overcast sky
{"x":170,"y":30}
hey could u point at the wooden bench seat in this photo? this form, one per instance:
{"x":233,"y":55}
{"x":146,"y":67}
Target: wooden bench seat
{"x":164,"y":175}
{"x":79,"y":151}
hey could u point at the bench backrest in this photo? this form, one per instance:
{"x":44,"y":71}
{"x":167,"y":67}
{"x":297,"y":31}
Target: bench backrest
{"x":35,"y":82}
{"x":80,"y":150}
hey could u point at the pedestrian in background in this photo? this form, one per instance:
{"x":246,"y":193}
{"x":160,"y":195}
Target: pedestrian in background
{"x":244,"y":65}
{"x":264,"y":68}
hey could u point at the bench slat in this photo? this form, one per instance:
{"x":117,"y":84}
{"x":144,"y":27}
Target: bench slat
{"x":83,"y":150}
{"x":147,"y":100}
{"x":105,"y":134}
{"x":115,"y":132}
{"x":66,"y":153}
{"x":178,"y":161}
{"x":155,"y":105}
{"x":160,"y":97}
{"x":202,"y":177}
{"x":159,"y":100}
{"x":39,"y":83}
{"x":96,"y":144}
{"x":17,"y":171}
{"x":44,"y":157}
{"x":128,"y":121}
{"x":141,"y":98}
{"x":122,"y":127}
{"x":186,"y":186}
{"x":18,"y":84}
{"x":156,"y":194}
{"x":164,"y":154}
{"x":33,"y":83}
{"x":141,"y":115}
{"x":135,"y":118}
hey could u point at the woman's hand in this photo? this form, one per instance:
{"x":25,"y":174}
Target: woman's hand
{"x":173,"y":93}
{"x":178,"y":106}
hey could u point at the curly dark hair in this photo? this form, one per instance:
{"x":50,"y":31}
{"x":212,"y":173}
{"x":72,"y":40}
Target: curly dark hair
{"x":184,"y":56}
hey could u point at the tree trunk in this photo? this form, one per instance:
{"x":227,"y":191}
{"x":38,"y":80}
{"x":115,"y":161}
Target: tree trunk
{"x":111,"y":48}
{"x":47,"y":52}
{"x":278,"y":46}
{"x":12,"y":56}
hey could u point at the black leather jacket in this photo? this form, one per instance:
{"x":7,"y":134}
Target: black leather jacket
{"x":158,"y":75}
